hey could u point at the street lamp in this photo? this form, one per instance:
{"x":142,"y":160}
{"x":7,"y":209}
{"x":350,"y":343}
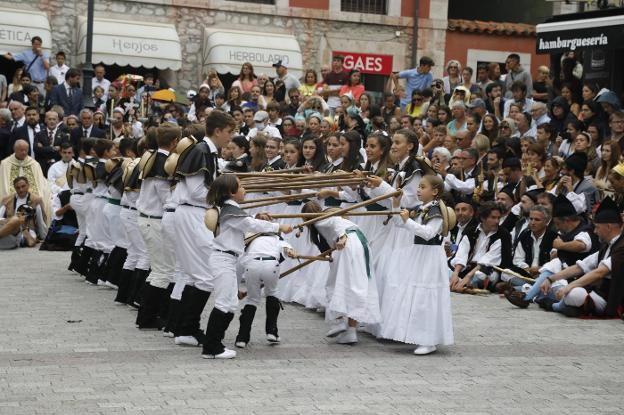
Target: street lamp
{"x":87,"y":66}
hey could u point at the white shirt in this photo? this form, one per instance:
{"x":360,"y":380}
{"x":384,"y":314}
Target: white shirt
{"x":154,"y":194}
{"x":590,"y":263}
{"x":231,"y":235}
{"x":267,"y":245}
{"x":68,"y":88}
{"x":56,"y":171}
{"x":191,"y":189}
{"x":481,"y":254}
{"x":58,"y":72}
{"x":453,"y":183}
{"x":31,"y":138}
{"x":520,"y":256}
{"x":104,"y":83}
{"x":269,"y":129}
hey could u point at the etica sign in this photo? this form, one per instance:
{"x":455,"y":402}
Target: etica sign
{"x":367,"y":62}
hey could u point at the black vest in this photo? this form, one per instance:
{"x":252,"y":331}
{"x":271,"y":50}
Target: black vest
{"x":502,"y":234}
{"x":526,"y":241}
{"x":198,"y":159}
{"x":158,"y":169}
{"x":115,"y":178}
{"x":570,"y":258}
{"x":471,"y":225}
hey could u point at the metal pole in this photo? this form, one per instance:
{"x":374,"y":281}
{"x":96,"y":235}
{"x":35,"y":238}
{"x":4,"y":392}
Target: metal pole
{"x":415,"y":36}
{"x":87,"y":66}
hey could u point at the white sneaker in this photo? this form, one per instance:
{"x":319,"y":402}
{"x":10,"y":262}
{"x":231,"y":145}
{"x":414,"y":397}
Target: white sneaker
{"x":272,"y":338}
{"x":110,"y":285}
{"x":186,"y":341}
{"x":348,"y":337}
{"x":168,"y":334}
{"x":423,"y":350}
{"x":226,"y":354}
{"x":336,"y":328}
{"x":240,"y":345}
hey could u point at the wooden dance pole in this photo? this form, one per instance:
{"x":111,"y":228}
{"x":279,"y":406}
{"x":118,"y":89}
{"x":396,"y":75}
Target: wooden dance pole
{"x":341,"y":212}
{"x":515,"y":274}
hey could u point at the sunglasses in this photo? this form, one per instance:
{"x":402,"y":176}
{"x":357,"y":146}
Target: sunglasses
{"x":503,"y":126}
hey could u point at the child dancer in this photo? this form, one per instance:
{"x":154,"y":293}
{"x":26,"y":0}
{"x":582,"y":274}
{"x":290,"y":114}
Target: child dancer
{"x":260,"y":265}
{"x":226,"y":192}
{"x":351,"y":288}
{"x":416,"y":308}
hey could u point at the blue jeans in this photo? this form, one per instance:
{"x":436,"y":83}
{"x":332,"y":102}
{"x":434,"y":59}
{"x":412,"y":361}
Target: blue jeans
{"x":535,"y":291}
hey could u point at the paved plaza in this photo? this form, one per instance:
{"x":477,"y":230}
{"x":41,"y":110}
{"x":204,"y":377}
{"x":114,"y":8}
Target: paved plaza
{"x":66,"y":348}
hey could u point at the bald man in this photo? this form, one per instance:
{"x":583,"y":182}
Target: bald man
{"x":21,"y":164}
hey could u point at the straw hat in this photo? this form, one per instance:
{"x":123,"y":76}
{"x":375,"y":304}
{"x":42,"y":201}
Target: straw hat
{"x":211,"y":220}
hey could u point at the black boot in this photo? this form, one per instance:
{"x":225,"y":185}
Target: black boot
{"x":173,"y":316}
{"x":94,"y":267}
{"x":137,"y":284}
{"x":215,"y":331}
{"x":82,"y":267}
{"x":75,"y":258}
{"x":115,"y":264}
{"x":191,"y":307}
{"x":163,"y":307}
{"x":125,"y":281}
{"x":148,"y":317}
{"x":273,"y":306}
{"x":246,"y":320}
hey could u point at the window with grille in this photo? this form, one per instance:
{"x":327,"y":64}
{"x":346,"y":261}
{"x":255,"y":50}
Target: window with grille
{"x":255,"y":1}
{"x":364,"y":6}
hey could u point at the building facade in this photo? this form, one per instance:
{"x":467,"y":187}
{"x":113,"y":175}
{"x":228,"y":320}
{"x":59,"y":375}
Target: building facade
{"x":183,"y":39}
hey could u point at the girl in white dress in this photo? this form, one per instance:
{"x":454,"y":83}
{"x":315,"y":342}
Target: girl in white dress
{"x":351,"y":288}
{"x":416,"y":306}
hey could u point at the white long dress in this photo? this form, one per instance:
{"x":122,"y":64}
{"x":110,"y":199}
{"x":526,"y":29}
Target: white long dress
{"x":351,"y":286}
{"x":416,"y":303}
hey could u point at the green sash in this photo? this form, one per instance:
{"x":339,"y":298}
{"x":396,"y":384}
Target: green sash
{"x":364,"y":242}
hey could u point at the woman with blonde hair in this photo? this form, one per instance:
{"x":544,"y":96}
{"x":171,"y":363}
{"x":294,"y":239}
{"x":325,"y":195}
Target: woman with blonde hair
{"x":610,"y":155}
{"x":453,"y":79}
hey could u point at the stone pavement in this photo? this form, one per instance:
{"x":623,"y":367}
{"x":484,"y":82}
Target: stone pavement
{"x":66,"y":348}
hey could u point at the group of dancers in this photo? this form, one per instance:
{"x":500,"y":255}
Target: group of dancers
{"x":169,"y":223}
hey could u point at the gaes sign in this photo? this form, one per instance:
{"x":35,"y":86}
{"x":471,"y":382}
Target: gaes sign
{"x":367,"y":62}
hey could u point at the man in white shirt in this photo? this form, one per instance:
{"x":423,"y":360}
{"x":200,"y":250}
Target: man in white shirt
{"x":99,"y":80}
{"x":475,"y":256}
{"x":155,"y":190}
{"x":593,"y":288}
{"x":57,"y":173}
{"x":261,"y":118}
{"x":60,"y":69}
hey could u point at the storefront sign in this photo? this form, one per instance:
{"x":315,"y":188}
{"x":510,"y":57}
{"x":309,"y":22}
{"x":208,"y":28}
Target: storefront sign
{"x":133,"y":46}
{"x":263,"y":57}
{"x":367,"y":62}
{"x":599,"y":33}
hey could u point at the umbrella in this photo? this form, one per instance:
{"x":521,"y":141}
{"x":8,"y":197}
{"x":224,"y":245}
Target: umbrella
{"x":165,"y":95}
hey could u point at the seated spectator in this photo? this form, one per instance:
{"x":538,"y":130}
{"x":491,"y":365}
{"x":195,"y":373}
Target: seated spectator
{"x":23,"y":202}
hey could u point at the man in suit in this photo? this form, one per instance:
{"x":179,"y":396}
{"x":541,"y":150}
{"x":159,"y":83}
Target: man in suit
{"x":85,"y":129}
{"x":6,"y":121}
{"x":29,"y":130}
{"x":48,"y":141}
{"x":68,"y":95}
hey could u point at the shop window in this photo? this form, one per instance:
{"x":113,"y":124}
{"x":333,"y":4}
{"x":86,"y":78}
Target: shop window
{"x":255,"y":1}
{"x":364,"y":6}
